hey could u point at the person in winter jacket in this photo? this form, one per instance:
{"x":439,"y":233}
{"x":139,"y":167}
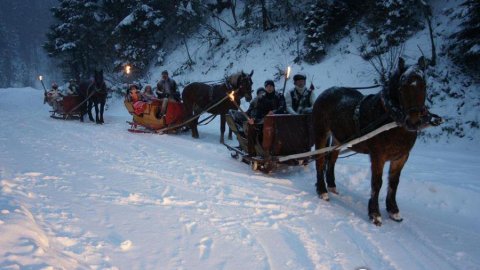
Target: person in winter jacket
{"x":148,"y":94}
{"x":72,"y":88}
{"x":54,"y":97}
{"x":167,"y":89}
{"x":270,"y":103}
{"x":300,"y":100}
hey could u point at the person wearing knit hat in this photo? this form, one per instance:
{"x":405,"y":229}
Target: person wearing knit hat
{"x":252,"y":109}
{"x":269,"y":82}
{"x":300,"y":100}
{"x":271,"y":102}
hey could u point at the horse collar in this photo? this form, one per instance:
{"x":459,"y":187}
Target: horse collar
{"x":394,"y":111}
{"x":356,"y":115}
{"x":228,"y":84}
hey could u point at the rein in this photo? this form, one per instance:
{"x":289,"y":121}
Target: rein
{"x":362,"y":88}
{"x":163,"y":130}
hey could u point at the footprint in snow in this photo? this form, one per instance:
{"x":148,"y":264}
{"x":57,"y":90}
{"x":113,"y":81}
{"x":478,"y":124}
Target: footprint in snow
{"x":126,"y":245}
{"x":204,"y":247}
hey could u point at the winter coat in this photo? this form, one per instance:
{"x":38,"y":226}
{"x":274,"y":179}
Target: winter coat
{"x":299,"y":102}
{"x":167,"y":89}
{"x":72,"y":90}
{"x":274,"y":102}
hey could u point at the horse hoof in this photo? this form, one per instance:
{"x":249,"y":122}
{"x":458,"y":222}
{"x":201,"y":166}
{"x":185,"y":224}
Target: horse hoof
{"x":324,"y":196}
{"x":376,"y":220}
{"x":395,"y":217}
{"x":333,"y":190}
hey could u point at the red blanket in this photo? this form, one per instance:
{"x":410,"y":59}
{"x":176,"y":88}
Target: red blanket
{"x":139,"y":107}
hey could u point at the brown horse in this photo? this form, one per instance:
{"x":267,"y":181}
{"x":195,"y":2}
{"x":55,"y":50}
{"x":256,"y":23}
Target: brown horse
{"x":96,"y":94}
{"x":344,"y":113}
{"x":197,"y":97}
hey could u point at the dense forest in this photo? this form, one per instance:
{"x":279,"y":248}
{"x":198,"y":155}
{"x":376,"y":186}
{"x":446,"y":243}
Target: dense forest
{"x":108,"y":34}
{"x":23,"y":25}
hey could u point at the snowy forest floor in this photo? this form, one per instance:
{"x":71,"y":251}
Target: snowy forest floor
{"x":84,"y":196}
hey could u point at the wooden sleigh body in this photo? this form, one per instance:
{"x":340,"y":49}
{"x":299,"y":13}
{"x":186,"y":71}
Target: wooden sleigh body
{"x":147,"y":116}
{"x":67,"y":108}
{"x":281,"y":135}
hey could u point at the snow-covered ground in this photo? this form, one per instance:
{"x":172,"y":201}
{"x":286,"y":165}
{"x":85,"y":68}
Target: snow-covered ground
{"x":85,"y":196}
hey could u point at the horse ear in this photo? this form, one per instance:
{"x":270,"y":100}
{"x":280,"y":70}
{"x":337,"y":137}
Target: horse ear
{"x":401,"y":64}
{"x":422,"y":62}
{"x":251,"y":73}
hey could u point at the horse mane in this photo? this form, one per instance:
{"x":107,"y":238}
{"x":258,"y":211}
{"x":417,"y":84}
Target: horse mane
{"x":233,"y":79}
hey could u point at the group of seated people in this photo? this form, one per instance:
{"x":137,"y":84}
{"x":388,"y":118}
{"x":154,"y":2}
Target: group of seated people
{"x":55,"y":95}
{"x":166,"y":90}
{"x":268,"y":101}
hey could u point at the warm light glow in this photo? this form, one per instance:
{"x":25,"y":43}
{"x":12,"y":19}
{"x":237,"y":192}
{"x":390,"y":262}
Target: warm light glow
{"x":232,"y":96}
{"x":40,"y":77}
{"x":288,"y":72}
{"x":128,"y":69}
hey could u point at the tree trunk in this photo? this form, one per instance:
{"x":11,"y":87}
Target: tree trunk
{"x":233,"y":6}
{"x":267,"y":23}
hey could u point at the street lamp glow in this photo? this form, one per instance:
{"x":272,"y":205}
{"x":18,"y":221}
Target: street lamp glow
{"x":128,"y":69}
{"x":40,"y":77}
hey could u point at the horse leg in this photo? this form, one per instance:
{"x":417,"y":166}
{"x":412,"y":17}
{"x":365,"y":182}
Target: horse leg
{"x":321,"y":142}
{"x":89,"y":110}
{"x":330,"y":171}
{"x":82,"y":112}
{"x":97,"y":120}
{"x":194,"y":127}
{"x":396,"y":167}
{"x":223,"y":120}
{"x":377,"y":164}
{"x":102,"y":109}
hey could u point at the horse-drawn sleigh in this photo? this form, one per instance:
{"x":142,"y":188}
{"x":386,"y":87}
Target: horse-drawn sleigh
{"x":280,"y":135}
{"x":147,"y":117}
{"x":69,"y":107}
{"x":90,"y":94}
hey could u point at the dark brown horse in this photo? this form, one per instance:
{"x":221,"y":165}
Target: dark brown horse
{"x":96,"y":93}
{"x":197,"y":97}
{"x":345,"y":113}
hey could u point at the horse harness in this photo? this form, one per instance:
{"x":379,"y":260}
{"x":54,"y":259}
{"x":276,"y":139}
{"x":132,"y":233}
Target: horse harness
{"x":210,"y":90}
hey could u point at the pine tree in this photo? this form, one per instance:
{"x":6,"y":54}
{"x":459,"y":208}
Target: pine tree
{"x":391,"y":22}
{"x":316,"y":23}
{"x":325,"y":24}
{"x":78,"y":38}
{"x":136,"y":36}
{"x":466,"y":42}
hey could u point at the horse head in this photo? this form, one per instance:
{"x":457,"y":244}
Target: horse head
{"x":243,"y":83}
{"x":406,"y":93}
{"x":98,"y":80}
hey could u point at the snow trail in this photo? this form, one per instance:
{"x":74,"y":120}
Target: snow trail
{"x":84,"y":196}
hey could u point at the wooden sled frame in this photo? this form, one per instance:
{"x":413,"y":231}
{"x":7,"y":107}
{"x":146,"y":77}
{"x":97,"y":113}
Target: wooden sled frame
{"x":278,"y":141}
